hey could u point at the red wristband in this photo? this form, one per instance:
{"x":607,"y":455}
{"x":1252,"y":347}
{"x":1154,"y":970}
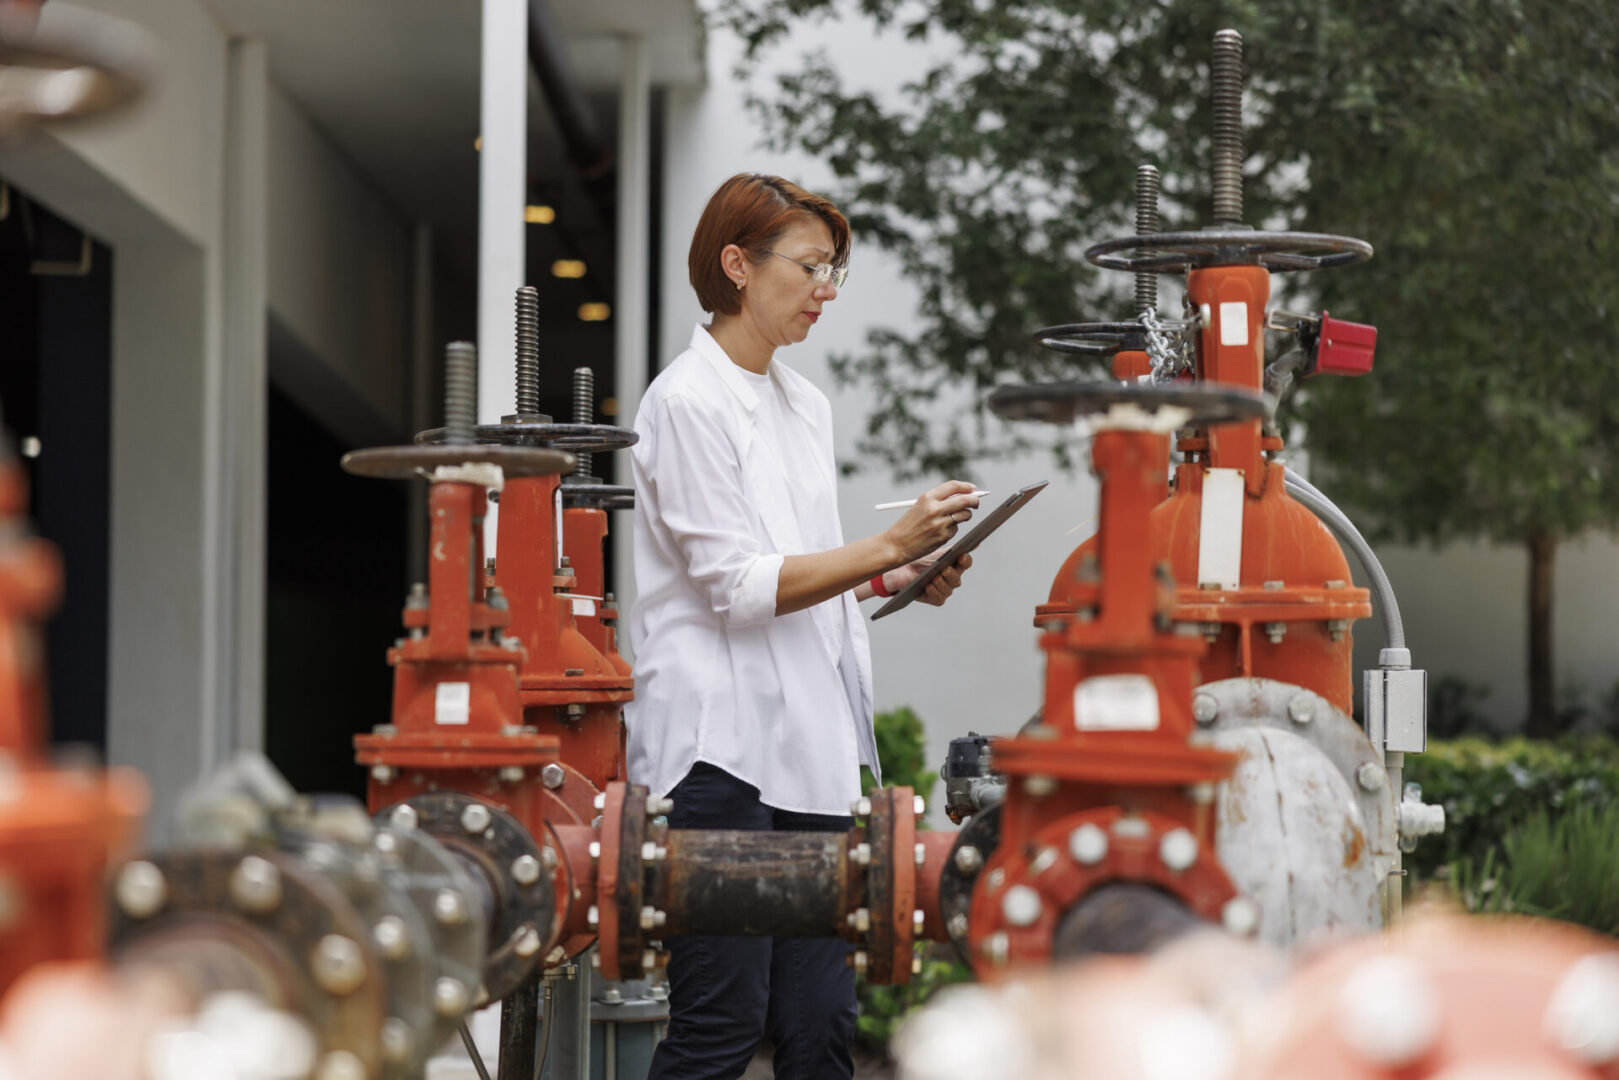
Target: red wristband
{"x":877,"y":587}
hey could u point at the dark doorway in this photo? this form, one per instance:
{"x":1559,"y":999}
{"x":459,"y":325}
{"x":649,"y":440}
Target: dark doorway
{"x":56,"y":405}
{"x":334,"y":590}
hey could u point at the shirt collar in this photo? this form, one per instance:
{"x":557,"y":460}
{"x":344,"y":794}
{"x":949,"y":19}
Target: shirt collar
{"x":791,"y":383}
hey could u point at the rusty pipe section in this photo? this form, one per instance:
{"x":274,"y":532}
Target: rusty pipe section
{"x":782,"y":884}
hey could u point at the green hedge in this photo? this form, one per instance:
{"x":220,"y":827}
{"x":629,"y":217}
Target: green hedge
{"x":1491,"y":788}
{"x":1562,"y":866}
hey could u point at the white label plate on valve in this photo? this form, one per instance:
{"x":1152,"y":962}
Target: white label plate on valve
{"x":452,"y":703}
{"x":584,"y":605}
{"x":1234,"y":323}
{"x":1116,"y":703}
{"x":1219,"y":541}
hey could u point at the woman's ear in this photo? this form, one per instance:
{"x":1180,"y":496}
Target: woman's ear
{"x":734,"y":261}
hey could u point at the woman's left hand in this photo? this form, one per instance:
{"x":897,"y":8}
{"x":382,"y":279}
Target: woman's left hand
{"x":940,"y":588}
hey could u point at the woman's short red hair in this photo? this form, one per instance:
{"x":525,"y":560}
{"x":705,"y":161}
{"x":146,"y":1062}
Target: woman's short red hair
{"x":752,"y":210}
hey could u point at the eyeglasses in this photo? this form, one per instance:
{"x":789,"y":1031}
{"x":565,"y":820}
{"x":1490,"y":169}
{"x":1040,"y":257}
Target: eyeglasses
{"x":820,"y":273}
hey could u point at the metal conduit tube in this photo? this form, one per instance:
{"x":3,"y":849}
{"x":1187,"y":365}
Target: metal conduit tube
{"x":780,"y":884}
{"x":1388,"y":608}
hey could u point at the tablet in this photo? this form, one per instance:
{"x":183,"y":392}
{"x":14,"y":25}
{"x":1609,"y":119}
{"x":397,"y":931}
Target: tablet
{"x":977,"y":535}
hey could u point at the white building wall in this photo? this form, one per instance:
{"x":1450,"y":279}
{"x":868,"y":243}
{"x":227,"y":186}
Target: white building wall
{"x":973,"y":664}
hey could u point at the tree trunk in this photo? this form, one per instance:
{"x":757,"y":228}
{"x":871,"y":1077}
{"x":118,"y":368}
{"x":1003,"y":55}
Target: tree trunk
{"x":1542,"y":701}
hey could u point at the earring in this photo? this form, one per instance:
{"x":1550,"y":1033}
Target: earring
{"x":739,"y":286}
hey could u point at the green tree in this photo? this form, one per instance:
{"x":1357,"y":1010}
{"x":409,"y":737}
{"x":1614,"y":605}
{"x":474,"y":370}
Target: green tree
{"x":1474,"y":142}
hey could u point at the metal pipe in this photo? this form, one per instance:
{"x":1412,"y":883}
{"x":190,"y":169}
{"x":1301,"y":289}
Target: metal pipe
{"x":1121,"y":919}
{"x":780,"y":884}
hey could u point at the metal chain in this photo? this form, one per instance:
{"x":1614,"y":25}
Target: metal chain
{"x":1169,"y":357}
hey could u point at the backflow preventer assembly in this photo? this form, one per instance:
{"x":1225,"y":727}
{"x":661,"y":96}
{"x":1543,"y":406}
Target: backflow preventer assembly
{"x":1194,"y":765}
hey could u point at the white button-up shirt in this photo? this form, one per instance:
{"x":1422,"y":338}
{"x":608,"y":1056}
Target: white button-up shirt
{"x":719,"y":676}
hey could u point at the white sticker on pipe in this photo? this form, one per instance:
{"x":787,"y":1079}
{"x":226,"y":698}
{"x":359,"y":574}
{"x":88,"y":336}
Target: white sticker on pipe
{"x":584,"y":605}
{"x":1116,"y":703}
{"x":452,"y":703}
{"x":1234,"y":323}
{"x":1219,"y":541}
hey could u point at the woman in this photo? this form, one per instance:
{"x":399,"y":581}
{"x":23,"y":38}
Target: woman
{"x":753,"y":704}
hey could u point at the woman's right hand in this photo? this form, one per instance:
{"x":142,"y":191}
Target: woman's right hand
{"x":933,"y":520}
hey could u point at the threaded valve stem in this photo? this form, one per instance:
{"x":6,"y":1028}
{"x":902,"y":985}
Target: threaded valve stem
{"x":460,"y":393}
{"x":528,"y":351}
{"x":1225,"y":79}
{"x":584,"y":412}
{"x":1146,"y":224}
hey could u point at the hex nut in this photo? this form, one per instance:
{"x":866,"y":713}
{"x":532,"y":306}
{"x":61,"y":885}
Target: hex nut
{"x":599,"y":802}
{"x":511,"y":774}
{"x":383,"y":774}
{"x":1301,"y":710}
{"x":1021,"y":905}
{"x":340,"y":1065}
{"x":1088,"y":844}
{"x":450,"y":997}
{"x":1205,"y":709}
{"x":1240,"y":916}
{"x":255,"y":885}
{"x":1370,"y":776}
{"x":398,"y":1042}
{"x":861,"y":808}
{"x":859,"y":960}
{"x":552,"y":776}
{"x":141,"y":889}
{"x":1388,"y":1012}
{"x":957,"y":926}
{"x":1038,"y":787}
{"x":1178,"y":850}
{"x":450,"y":907}
{"x":403,"y":818}
{"x":475,"y":818}
{"x":392,"y":937}
{"x":921,"y":855}
{"x":595,"y":849}
{"x":1582,"y":1016}
{"x":861,"y":854}
{"x":968,"y":859}
{"x":592,"y":916}
{"x":526,"y":869}
{"x":338,"y":964}
{"x":918,"y":805}
{"x":527,"y":942}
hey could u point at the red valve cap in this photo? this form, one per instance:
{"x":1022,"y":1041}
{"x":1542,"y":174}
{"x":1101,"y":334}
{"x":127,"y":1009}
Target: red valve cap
{"x":1344,"y":348}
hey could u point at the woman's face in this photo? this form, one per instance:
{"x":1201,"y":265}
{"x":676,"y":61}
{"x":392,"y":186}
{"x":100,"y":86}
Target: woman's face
{"x":780,"y":299}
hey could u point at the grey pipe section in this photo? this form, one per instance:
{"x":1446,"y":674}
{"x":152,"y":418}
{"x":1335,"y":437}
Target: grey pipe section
{"x":1388,"y":608}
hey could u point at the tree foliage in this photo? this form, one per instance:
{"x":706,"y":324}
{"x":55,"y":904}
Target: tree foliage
{"x":1475,"y":143}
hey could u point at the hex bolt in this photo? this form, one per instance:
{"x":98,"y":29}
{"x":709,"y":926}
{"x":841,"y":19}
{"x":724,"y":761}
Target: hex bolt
{"x":450,"y":907}
{"x":552,"y":776}
{"x":141,"y":890}
{"x":1178,"y":850}
{"x":1200,"y":793}
{"x":649,"y":917}
{"x":1088,"y":844}
{"x":392,"y":937}
{"x":511,"y":774}
{"x":1582,"y":1016}
{"x":584,"y":412}
{"x":861,"y":854}
{"x":1146,"y":224}
{"x":1021,"y":905}
{"x":576,"y":711}
{"x":918,"y":806}
{"x":599,"y":802}
{"x":416,"y":600}
{"x":859,"y":920}
{"x":1370,"y":776}
{"x":527,"y":942}
{"x":548,"y":858}
{"x":612,"y":996}
{"x":476,"y":818}
{"x":861,"y":808}
{"x":450,"y":997}
{"x":525,"y":869}
{"x":919,"y":919}
{"x":916,"y":965}
{"x":1276,"y":631}
{"x":1240,"y":916}
{"x":595,"y":849}
{"x":957,"y":926}
{"x":460,"y":393}
{"x":1301,"y":710}
{"x":403,"y":818}
{"x":592,"y":916}
{"x":921,"y":855}
{"x":858,"y":960}
{"x":528,"y":351}
{"x":997,"y":877}
{"x":255,"y":885}
{"x":1273,"y":586}
{"x":999,"y":948}
{"x":1337,"y":628}
{"x":338,"y":965}
{"x":387,"y":843}
{"x":666,"y":806}
{"x":968,"y":859}
{"x":383,"y":774}
{"x":1388,"y":1012}
{"x":398,"y":1043}
{"x":1038,"y":787}
{"x":1205,"y":709}
{"x":340,"y":1065}
{"x":1225,"y":82}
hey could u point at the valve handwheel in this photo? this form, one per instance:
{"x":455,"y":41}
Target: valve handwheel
{"x":1178,"y":251}
{"x":574,"y":438}
{"x":1127,"y":404}
{"x":1093,"y":339}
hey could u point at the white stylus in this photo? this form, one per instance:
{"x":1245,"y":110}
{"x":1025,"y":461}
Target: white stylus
{"x":906,"y":504}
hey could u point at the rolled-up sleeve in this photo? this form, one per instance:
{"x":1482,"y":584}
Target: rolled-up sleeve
{"x":697,"y":483}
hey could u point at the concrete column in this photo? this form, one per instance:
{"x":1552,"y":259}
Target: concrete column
{"x":502,"y":191}
{"x":236,"y":422}
{"x":631,"y":309}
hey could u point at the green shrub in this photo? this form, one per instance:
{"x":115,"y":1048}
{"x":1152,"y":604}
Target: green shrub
{"x":1562,"y":866}
{"x":1490,"y":788}
{"x":902,"y":750}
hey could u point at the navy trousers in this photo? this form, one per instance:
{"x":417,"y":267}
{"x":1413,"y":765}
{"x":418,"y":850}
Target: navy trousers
{"x":727,"y":992}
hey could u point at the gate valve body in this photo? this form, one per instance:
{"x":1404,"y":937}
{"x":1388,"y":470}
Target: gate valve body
{"x":1110,"y":787}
